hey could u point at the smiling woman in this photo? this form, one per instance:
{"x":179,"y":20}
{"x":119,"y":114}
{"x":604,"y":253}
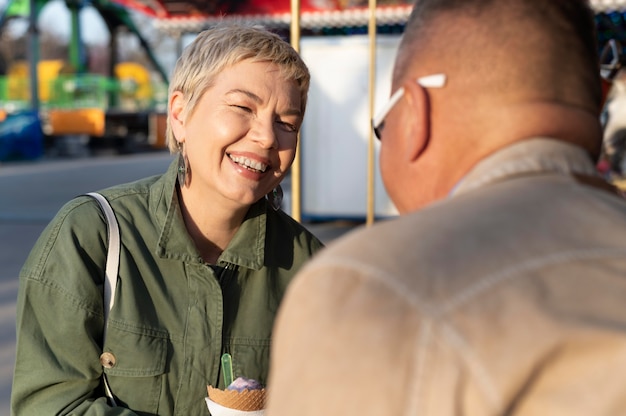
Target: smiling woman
{"x":206,"y":251}
{"x":238,"y":142}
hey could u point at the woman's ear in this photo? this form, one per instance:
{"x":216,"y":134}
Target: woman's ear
{"x":176,"y":112}
{"x":417,"y":120}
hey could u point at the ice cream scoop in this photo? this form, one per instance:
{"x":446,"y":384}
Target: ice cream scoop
{"x":242,"y":383}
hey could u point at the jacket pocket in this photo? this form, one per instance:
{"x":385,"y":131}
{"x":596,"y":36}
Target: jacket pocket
{"x":250,"y":358}
{"x":135,"y":367}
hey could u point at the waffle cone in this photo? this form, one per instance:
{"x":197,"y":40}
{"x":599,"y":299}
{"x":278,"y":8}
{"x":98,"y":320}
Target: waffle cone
{"x":246,"y":400}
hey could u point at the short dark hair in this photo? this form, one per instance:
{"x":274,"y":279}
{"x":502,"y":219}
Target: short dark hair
{"x":554,"y":32}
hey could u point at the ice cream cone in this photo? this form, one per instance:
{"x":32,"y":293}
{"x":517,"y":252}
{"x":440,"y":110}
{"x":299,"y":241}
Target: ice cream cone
{"x":244,"y":401}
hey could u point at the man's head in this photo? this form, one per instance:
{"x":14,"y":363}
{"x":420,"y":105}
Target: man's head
{"x":514,"y":69}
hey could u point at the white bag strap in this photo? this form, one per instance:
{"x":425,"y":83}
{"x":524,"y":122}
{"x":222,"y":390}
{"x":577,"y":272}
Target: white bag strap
{"x":111,"y":271}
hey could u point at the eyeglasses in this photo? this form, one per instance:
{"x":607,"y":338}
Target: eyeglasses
{"x":613,"y":53}
{"x":429,"y":81}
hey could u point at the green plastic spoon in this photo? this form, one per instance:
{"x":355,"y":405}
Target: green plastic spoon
{"x":227,"y":368}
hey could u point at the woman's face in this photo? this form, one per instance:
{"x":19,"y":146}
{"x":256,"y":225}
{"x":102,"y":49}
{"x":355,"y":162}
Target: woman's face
{"x":241,"y":138}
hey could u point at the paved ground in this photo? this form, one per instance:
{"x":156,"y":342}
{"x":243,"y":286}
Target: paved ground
{"x":30,"y":195}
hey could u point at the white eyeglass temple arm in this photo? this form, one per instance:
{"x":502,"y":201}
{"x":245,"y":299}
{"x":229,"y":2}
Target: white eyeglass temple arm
{"x":382,"y":113}
{"x":429,"y":81}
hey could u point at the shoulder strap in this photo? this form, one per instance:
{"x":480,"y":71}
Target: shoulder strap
{"x":113,"y":257}
{"x":111,"y":271}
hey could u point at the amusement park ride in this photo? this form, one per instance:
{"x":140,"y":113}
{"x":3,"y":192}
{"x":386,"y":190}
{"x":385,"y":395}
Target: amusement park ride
{"x":43,"y":102}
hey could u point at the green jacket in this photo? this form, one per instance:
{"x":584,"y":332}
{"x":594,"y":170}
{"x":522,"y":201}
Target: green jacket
{"x":174,"y":314}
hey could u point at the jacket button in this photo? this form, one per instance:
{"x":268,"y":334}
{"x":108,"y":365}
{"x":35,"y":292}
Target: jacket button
{"x":107,"y":360}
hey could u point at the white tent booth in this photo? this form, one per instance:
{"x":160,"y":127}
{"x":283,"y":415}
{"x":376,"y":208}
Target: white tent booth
{"x":336,"y":128}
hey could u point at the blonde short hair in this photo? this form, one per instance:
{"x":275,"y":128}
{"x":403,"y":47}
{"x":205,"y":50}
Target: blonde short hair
{"x":225,"y":45}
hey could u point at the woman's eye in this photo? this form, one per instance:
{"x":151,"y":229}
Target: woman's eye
{"x":242,"y":108}
{"x":287,"y":126}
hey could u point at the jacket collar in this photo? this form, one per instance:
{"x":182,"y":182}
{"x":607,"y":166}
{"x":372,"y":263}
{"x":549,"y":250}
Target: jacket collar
{"x":246,"y":249}
{"x":536,"y":155}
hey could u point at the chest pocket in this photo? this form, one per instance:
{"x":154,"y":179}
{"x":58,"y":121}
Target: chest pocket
{"x":250,"y":358}
{"x":134,"y":361}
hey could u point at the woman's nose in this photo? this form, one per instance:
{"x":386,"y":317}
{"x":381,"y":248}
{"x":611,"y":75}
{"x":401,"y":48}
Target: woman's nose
{"x":263,"y":132}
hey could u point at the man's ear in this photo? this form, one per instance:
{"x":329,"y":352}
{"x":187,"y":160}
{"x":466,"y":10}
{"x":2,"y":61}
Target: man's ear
{"x":176,"y":111}
{"x":417,"y":121}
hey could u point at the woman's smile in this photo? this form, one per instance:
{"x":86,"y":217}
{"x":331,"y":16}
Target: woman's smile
{"x":249,"y":164}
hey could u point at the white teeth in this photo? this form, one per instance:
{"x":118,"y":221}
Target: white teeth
{"x":248,"y":163}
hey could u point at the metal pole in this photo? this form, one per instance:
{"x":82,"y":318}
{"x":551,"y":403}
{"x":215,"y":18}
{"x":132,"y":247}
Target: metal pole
{"x":76,"y":57}
{"x":371,"y":29}
{"x":33,"y":50}
{"x":295,"y":167}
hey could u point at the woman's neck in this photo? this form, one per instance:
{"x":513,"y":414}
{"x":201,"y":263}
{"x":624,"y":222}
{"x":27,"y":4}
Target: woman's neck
{"x":211,"y":226}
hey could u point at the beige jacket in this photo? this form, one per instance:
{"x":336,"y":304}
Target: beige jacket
{"x":508,"y":298}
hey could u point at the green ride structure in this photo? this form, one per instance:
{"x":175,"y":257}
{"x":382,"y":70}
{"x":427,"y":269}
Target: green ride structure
{"x":49,"y":103}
